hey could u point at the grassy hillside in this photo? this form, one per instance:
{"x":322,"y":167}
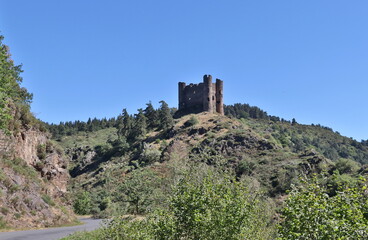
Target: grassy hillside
{"x":172,"y":171}
{"x":269,"y":155}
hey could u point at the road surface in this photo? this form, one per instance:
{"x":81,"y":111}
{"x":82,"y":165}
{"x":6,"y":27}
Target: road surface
{"x":51,"y":233}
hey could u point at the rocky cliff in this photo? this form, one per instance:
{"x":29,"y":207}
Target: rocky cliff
{"x":33,"y":181}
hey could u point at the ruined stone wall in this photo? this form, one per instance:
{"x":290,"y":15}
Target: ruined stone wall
{"x":193,"y":96}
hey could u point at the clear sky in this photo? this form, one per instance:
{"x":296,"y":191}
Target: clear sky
{"x":294,"y":59}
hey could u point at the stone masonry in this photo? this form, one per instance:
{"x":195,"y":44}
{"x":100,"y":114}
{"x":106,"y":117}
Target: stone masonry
{"x":202,"y":97}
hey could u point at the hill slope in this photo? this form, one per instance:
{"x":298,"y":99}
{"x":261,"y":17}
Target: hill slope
{"x":270,"y":155}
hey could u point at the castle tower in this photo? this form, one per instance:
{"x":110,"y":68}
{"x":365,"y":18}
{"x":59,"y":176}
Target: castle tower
{"x":219,"y":96}
{"x":207,"y":94}
{"x":181,"y":95}
{"x":202,"y":97}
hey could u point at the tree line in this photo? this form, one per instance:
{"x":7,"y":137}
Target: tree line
{"x":129,"y":126}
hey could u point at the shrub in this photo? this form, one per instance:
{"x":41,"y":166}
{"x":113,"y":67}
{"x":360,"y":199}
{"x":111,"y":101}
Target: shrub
{"x":41,"y":151}
{"x":191,"y":121}
{"x":82,"y":203}
{"x":246,"y":166}
{"x":310,"y":213}
{"x":212,"y":207}
{"x":149,"y":155}
{"x":347,"y":166}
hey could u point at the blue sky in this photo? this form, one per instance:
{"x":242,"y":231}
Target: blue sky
{"x":294,"y":59}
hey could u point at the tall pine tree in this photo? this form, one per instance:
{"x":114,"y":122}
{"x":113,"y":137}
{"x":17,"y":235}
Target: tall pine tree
{"x":165,"y":117}
{"x":152,"y":116}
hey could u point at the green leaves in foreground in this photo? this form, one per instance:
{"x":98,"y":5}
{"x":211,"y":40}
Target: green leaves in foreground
{"x":310,"y":213}
{"x":214,"y":207}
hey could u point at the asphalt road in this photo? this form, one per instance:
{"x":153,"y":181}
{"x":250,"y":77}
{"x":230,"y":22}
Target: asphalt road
{"x":51,"y":233}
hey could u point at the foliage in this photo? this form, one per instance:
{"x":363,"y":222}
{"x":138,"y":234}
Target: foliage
{"x":19,"y":166}
{"x":191,"y":121}
{"x":125,"y":123}
{"x":12,"y":96}
{"x":149,"y":155}
{"x":239,"y":110}
{"x":128,"y":228}
{"x":139,"y":191}
{"x":152,"y":116}
{"x":208,"y":207}
{"x":310,"y":213}
{"x":139,"y":128}
{"x":41,"y":151}
{"x":347,"y":166}
{"x":214,"y":208}
{"x":165,"y":117}
{"x":82,"y":203}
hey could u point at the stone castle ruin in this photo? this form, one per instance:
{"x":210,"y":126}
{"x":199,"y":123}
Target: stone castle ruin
{"x":202,"y":97}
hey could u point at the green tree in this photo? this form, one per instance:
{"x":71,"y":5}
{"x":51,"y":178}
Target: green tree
{"x":139,"y":129}
{"x":10,"y":91}
{"x":124,"y":124}
{"x":310,"y":213}
{"x":82,"y":203}
{"x":165,"y":117}
{"x":139,"y":190}
{"x":151,"y":115}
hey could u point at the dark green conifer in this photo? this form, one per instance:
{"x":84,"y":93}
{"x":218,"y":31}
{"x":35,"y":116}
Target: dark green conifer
{"x":152,"y":116}
{"x":165,"y":117}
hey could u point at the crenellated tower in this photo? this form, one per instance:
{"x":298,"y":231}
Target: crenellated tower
{"x":201,"y":97}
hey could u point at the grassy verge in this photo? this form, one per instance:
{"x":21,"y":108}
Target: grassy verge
{"x":93,"y":235}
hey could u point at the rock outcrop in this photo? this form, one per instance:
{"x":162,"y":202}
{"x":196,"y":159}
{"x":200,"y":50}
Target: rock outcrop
{"x":33,"y":181}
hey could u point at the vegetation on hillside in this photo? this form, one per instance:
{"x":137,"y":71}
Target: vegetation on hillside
{"x":137,"y":165}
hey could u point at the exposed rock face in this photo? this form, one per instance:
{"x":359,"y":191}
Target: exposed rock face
{"x":33,"y":181}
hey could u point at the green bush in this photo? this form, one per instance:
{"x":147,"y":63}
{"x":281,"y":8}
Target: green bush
{"x":149,"y":155}
{"x":347,"y":166}
{"x":212,"y":207}
{"x":246,"y":166}
{"x":310,"y":213}
{"x":216,"y":207}
{"x":191,"y":121}
{"x":82,"y":203}
{"x":41,"y":151}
